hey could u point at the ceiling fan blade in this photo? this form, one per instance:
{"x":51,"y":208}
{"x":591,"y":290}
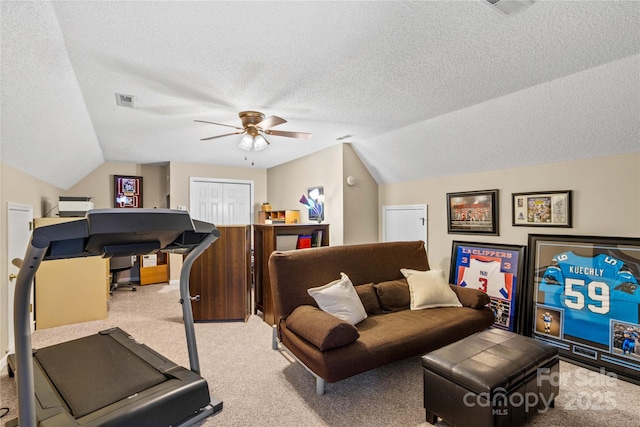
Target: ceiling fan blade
{"x":220,"y":136}
{"x":270,"y":122}
{"x":300,"y":135}
{"x":219,"y":124}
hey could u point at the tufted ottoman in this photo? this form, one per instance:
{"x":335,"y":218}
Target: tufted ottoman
{"x":491,"y":378}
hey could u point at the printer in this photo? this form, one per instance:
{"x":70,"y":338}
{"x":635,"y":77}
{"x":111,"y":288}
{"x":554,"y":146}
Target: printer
{"x":74,"y":206}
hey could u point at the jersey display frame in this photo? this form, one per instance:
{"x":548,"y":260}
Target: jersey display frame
{"x":473,"y":212}
{"x":584,"y":294}
{"x":497,"y":270}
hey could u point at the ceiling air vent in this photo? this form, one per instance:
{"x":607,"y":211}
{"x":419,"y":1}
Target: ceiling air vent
{"x":125,"y":100}
{"x":507,"y":7}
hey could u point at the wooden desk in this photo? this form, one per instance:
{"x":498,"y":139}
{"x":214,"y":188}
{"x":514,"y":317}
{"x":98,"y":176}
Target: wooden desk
{"x":70,"y":290}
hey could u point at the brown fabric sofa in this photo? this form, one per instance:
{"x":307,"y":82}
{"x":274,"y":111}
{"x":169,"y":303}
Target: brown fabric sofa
{"x":334,"y":350}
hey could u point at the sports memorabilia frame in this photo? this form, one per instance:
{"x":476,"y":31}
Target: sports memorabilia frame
{"x":473,"y":212}
{"x":585,"y":299}
{"x":497,"y":270}
{"x":127,"y":191}
{"x":541,"y":209}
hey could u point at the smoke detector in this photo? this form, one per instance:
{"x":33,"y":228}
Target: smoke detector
{"x":507,"y":7}
{"x":125,"y":100}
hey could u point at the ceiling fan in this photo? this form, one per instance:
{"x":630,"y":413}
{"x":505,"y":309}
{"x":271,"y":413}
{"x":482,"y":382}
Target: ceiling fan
{"x":255,"y":127}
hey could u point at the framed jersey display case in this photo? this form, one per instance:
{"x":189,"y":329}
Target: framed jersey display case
{"x":586,"y":299}
{"x":497,"y":270}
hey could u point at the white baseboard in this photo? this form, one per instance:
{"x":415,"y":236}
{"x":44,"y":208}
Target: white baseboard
{"x":3,"y":361}
{"x":174,"y":282}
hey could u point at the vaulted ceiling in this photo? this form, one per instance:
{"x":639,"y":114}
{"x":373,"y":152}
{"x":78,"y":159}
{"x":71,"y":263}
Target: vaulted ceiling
{"x":383,"y":72}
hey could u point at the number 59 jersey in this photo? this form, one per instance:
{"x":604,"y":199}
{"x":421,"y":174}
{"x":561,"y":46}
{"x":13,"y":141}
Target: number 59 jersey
{"x":592,"y":290}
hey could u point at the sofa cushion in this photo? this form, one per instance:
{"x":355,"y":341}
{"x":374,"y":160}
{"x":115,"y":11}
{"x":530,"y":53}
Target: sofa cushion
{"x":393,"y":295}
{"x":321,"y":329}
{"x":340,"y":299}
{"x":470,"y":297}
{"x":369,"y":298}
{"x":429,"y":289}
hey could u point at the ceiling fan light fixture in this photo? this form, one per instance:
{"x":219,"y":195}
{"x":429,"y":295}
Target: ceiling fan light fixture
{"x":259,"y":143}
{"x":246,"y":143}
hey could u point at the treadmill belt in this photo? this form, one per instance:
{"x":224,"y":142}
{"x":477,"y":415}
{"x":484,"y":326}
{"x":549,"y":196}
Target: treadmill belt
{"x":95,"y":371}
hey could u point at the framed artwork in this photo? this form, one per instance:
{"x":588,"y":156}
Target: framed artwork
{"x":473,"y":212}
{"x":586,"y":299}
{"x":127,"y":191}
{"x":315,"y":197}
{"x":497,"y":270}
{"x":542,"y":209}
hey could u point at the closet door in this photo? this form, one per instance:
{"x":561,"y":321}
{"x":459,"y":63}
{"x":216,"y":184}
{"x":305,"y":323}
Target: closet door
{"x":206,"y":201}
{"x":236,"y":204}
{"x":221,"y":203}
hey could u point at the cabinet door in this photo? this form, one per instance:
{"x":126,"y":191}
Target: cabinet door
{"x":220,"y":276}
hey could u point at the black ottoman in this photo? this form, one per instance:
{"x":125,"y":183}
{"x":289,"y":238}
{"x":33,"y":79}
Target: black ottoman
{"x":491,"y":378}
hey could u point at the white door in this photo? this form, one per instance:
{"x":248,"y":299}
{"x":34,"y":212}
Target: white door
{"x":19,"y":223}
{"x":221,"y":201}
{"x":404,"y":223}
{"x":206,"y":201}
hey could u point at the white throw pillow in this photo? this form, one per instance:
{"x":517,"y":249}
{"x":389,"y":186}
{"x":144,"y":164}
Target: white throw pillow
{"x":429,"y":289}
{"x":340,"y":299}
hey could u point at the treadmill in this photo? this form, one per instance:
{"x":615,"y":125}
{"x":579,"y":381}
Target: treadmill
{"x":109,"y":379}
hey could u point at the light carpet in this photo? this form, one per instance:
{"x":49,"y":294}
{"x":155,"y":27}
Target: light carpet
{"x":262,"y":387}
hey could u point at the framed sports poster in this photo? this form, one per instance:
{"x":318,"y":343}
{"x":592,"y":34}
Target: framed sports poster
{"x":542,"y":209}
{"x":473,"y":212}
{"x":497,"y":270}
{"x":127,"y":191}
{"x":586,"y":299}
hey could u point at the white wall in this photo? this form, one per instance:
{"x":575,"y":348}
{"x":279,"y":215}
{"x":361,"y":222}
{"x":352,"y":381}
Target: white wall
{"x":606,"y":200}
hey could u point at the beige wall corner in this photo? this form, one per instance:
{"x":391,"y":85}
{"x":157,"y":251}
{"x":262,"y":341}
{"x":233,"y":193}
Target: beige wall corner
{"x":361,"y":210}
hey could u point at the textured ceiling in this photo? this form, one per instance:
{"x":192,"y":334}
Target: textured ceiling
{"x":390,"y":73}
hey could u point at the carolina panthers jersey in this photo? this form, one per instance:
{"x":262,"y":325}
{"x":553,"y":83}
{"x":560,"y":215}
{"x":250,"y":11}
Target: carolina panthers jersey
{"x":486,"y":276}
{"x":592,"y":290}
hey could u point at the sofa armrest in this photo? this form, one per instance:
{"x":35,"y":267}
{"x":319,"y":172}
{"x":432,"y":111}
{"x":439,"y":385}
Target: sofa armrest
{"x":469,"y":297}
{"x":321,"y":329}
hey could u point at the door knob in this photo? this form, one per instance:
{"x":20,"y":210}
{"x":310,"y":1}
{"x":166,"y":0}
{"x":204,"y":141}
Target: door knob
{"x":12,"y":276}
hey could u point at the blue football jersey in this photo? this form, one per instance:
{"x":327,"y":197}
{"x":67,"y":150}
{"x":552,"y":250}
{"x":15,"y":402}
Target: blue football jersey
{"x":592,"y":290}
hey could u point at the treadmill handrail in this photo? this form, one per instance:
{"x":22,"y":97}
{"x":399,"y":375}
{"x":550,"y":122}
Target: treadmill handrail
{"x":22,"y":330}
{"x":185,"y":300}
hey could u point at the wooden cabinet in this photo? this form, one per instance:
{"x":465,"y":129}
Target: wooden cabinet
{"x":266,"y":240}
{"x":70,"y":290}
{"x":154,"y":268}
{"x":279,"y":217}
{"x":221,"y":276}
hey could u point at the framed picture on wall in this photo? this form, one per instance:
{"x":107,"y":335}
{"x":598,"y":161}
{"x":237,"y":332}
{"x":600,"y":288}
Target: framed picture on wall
{"x":127,"y":191}
{"x":542,"y":209}
{"x":315,"y":198}
{"x":473,"y":212}
{"x":497,"y":270}
{"x":586,"y":299}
